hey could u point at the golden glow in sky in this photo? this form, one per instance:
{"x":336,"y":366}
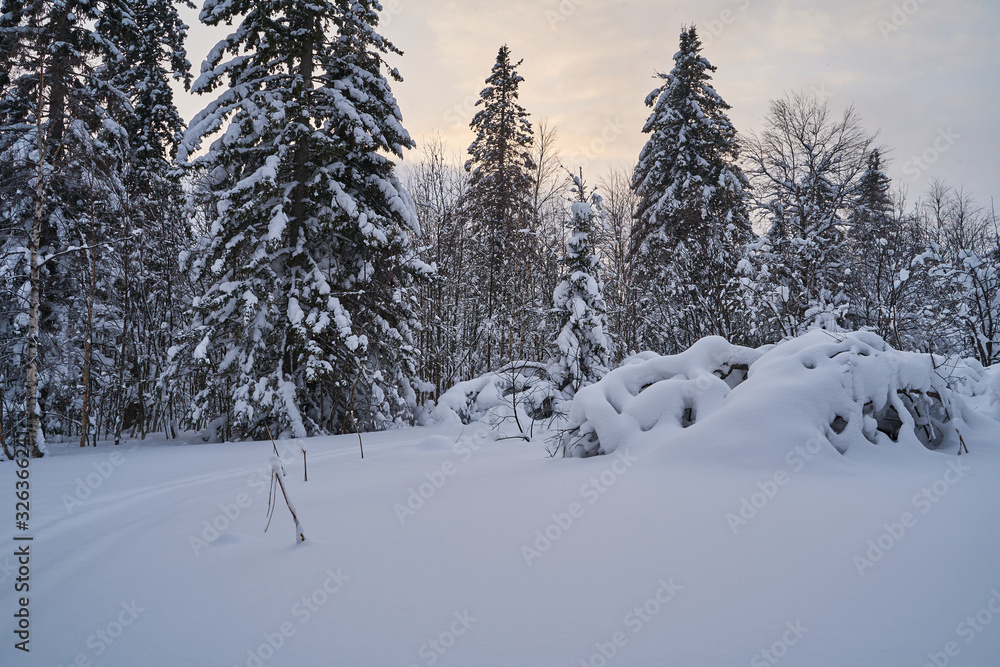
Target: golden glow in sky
{"x":923,"y":73}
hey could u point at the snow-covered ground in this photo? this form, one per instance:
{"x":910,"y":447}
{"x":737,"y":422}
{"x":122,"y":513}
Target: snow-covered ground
{"x":445,"y":546}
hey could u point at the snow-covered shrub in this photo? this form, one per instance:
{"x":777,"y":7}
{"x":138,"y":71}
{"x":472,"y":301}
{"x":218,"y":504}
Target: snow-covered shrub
{"x":521,"y":392}
{"x":849,"y":388}
{"x":652,"y":392}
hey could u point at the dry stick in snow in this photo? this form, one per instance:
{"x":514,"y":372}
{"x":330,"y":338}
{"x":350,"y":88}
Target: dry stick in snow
{"x":276,"y":472}
{"x":354,"y":388}
{"x":277,"y":475}
{"x":275,"y":446}
{"x":305,"y":465}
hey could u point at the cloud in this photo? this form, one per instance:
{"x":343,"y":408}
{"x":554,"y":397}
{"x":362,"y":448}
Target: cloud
{"x":590,"y":63}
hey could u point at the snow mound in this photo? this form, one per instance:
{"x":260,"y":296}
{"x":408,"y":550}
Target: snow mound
{"x":520,"y":392}
{"x":655,"y":395}
{"x":846,"y":389}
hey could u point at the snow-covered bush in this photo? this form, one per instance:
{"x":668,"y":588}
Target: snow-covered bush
{"x":850,"y":389}
{"x":520,"y":392}
{"x":652,"y":392}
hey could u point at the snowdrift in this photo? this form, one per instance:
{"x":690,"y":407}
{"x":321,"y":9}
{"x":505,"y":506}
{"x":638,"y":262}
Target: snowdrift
{"x":846,"y":390}
{"x":521,"y":392}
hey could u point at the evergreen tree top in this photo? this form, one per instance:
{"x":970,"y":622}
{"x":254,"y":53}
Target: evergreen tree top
{"x":503,"y":131}
{"x":503,"y":73}
{"x":872,"y":207}
{"x":874,"y":182}
{"x":346,"y":81}
{"x":687,"y":176}
{"x":151,"y":38}
{"x":687,"y":104}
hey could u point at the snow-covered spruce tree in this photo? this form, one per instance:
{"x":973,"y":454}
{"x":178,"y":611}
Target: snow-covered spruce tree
{"x":583,"y":347}
{"x":887,"y":280}
{"x":873,"y":267}
{"x":61,"y":156}
{"x":306,"y":323}
{"x":691,"y":219}
{"x":544,"y":244}
{"x":497,"y":206}
{"x":804,"y":167}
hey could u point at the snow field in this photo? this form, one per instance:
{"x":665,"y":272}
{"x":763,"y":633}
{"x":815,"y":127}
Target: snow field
{"x":637,"y":560}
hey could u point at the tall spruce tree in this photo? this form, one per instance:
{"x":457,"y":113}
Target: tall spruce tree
{"x":306,"y":323}
{"x":691,"y":219}
{"x":498,"y":207}
{"x":583,"y":346}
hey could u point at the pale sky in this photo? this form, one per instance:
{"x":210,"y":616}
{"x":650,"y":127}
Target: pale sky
{"x":923,"y":73}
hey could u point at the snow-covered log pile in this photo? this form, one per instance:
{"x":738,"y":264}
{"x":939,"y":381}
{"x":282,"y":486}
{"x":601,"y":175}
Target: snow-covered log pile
{"x":847,"y":389}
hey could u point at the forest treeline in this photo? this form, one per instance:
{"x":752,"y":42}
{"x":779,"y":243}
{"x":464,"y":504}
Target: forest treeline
{"x":269,"y":269}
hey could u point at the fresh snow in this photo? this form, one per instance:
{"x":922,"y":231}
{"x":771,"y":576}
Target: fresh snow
{"x":846,"y":390}
{"x":450,"y":546}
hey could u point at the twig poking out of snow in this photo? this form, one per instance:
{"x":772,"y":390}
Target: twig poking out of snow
{"x":305,"y":464}
{"x":277,"y":475}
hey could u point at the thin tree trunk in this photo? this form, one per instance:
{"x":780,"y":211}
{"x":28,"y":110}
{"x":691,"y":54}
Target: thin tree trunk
{"x":35,"y":281}
{"x":87,"y":346}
